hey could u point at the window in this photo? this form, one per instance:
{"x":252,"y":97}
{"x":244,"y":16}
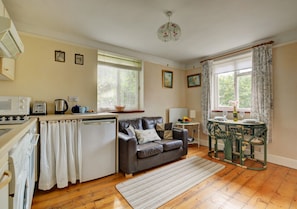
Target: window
{"x":232,"y":79}
{"x":118,"y":82}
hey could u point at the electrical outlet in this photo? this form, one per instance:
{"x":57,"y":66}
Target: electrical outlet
{"x":73,"y":98}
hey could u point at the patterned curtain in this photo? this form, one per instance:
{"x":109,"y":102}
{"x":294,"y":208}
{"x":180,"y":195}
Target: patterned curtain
{"x":206,"y":97}
{"x":262,"y":101}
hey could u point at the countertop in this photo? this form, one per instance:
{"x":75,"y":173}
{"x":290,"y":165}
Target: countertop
{"x":10,"y":138}
{"x":75,"y":116}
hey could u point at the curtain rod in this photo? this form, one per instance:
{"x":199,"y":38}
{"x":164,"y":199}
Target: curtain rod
{"x":235,"y":52}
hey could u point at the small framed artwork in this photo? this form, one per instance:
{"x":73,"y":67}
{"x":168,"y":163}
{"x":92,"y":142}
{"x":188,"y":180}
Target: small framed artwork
{"x":194,"y":80}
{"x":79,"y":59}
{"x":167,"y":79}
{"x":59,"y":56}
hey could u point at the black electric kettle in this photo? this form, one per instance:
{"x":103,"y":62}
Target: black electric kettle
{"x":61,"y":106}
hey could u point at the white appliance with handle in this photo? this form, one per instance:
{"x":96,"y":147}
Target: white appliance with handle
{"x":19,"y":165}
{"x":32,"y":155}
{"x":5,"y":178}
{"x":98,"y":148}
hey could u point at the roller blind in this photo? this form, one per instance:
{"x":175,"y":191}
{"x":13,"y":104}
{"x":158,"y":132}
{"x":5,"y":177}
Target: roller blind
{"x":119,"y":61}
{"x":236,"y":63}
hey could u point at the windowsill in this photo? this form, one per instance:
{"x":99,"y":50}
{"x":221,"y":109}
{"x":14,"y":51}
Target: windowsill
{"x":128,"y":111}
{"x":230,"y":111}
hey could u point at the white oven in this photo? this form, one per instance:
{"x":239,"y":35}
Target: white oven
{"x":32,"y":154}
{"x":19,"y":166}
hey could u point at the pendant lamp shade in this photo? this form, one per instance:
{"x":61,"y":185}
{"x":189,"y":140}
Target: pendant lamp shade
{"x":169,"y":31}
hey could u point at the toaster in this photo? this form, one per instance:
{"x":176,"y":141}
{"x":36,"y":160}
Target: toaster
{"x":39,"y":108}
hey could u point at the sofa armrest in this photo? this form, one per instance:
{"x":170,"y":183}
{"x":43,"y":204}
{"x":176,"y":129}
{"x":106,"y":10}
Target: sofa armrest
{"x":182,"y":134}
{"x":127,"y":152}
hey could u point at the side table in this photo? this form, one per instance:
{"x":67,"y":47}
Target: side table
{"x":185,"y":125}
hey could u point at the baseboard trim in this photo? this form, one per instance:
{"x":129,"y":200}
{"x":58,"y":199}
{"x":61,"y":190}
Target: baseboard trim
{"x":276,"y":159}
{"x":284,"y":161}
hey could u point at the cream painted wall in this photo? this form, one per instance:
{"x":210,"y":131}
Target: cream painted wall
{"x":193,"y":100}
{"x":193,"y":95}
{"x":41,"y":78}
{"x":158,"y":99}
{"x":285,"y":101}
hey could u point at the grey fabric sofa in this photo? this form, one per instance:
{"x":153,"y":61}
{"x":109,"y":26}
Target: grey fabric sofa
{"x":135,"y":156}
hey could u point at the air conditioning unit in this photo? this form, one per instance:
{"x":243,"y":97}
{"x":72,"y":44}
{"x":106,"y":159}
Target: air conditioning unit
{"x":10,"y":42}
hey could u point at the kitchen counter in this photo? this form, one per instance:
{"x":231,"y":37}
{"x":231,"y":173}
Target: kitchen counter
{"x":10,"y":138}
{"x":16,"y":132}
{"x":91,"y":147}
{"x":76,"y":116}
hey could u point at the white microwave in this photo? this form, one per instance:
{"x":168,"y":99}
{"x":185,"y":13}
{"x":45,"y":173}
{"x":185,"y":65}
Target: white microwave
{"x":14,"y":105}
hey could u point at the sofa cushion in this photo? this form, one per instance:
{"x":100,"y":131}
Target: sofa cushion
{"x":164,"y":130}
{"x":145,"y":136}
{"x":150,"y":122}
{"x":170,"y":144}
{"x":130,"y":131}
{"x":135,"y":123}
{"x":149,"y":149}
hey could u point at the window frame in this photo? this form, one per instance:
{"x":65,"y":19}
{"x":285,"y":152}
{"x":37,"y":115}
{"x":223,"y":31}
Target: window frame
{"x":215,"y":106}
{"x":122,"y":67}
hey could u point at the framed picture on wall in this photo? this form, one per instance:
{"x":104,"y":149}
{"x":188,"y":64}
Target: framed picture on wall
{"x":79,"y":59}
{"x":167,"y":79}
{"x":194,"y":80}
{"x":59,"y":56}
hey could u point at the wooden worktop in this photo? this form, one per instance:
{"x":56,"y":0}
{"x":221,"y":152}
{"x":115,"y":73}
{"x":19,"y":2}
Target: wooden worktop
{"x":10,"y":138}
{"x":76,"y":116}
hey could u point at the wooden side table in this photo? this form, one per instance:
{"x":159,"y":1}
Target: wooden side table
{"x":186,"y":125}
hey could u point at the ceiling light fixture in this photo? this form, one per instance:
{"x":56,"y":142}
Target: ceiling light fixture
{"x":169,"y":31}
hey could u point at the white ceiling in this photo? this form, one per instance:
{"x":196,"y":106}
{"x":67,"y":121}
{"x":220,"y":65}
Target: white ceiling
{"x":209,"y":27}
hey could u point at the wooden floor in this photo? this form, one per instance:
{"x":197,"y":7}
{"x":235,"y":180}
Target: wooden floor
{"x":232,"y":187}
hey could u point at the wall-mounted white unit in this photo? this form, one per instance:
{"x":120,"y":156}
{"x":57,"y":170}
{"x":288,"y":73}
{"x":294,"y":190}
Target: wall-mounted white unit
{"x":7,"y":68}
{"x":10,"y":42}
{"x":177,"y":113}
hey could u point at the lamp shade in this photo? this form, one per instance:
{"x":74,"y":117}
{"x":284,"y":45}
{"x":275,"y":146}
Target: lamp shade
{"x":169,"y":31}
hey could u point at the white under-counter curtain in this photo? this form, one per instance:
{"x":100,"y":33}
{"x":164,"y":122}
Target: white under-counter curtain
{"x":58,"y":153}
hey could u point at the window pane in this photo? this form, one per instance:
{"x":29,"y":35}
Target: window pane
{"x":232,"y":82}
{"x":225,"y":89}
{"x":107,"y":87}
{"x":117,"y":86}
{"x":244,"y":91}
{"x":128,"y":88}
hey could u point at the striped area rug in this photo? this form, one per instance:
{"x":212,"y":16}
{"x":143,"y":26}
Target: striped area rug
{"x":155,"y":188}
